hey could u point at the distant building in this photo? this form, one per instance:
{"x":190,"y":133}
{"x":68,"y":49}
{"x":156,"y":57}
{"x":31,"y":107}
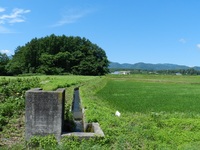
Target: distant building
{"x":178,"y":74}
{"x":125,"y":72}
{"x":122,"y":72}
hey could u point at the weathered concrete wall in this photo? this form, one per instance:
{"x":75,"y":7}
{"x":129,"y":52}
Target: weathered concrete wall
{"x":44,"y":112}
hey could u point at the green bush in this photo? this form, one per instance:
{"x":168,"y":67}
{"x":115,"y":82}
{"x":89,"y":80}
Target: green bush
{"x":45,"y":142}
{"x":12,"y":97}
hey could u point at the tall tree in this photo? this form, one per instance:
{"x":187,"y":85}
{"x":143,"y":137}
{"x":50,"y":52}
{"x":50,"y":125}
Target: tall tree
{"x":4,"y":59}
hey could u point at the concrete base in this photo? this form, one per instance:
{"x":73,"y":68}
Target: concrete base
{"x":95,"y":131}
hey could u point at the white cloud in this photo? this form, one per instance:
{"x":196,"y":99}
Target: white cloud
{"x":5,"y":30}
{"x":5,"y":51}
{"x":2,"y":9}
{"x":198,"y":46}
{"x":16,"y":16}
{"x":16,"y":20}
{"x":71,"y":16}
{"x":182,"y":40}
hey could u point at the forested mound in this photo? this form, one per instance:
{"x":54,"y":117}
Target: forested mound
{"x":59,"y":54}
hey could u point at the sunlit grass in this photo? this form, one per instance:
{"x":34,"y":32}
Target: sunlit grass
{"x":53,"y":82}
{"x":153,"y":93}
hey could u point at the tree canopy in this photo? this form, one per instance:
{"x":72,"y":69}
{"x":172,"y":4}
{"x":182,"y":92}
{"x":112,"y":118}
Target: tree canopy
{"x":4,"y":59}
{"x":59,"y":54}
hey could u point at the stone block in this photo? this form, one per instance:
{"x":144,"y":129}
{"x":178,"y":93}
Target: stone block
{"x":44,"y":112}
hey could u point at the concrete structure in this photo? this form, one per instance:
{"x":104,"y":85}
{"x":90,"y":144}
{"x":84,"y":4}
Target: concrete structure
{"x":83,"y":130}
{"x":44,"y":112}
{"x":93,"y":132}
{"x":44,"y":115}
{"x":77,"y":111}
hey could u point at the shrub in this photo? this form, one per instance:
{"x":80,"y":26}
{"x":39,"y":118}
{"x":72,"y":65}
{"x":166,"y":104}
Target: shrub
{"x":45,"y":142}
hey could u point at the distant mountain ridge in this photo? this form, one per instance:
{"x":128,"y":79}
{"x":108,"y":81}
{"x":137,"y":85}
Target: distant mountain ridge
{"x":148,"y":66}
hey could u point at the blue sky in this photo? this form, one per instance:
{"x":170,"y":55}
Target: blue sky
{"x":130,"y":31}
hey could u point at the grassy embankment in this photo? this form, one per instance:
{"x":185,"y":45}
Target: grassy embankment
{"x":157,"y":112}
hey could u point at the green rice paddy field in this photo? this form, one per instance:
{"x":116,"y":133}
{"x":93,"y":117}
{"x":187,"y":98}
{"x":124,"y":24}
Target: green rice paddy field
{"x":153,"y":93}
{"x":157,"y":111}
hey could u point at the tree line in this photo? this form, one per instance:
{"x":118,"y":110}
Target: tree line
{"x":56,"y":55}
{"x":190,"y":71}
